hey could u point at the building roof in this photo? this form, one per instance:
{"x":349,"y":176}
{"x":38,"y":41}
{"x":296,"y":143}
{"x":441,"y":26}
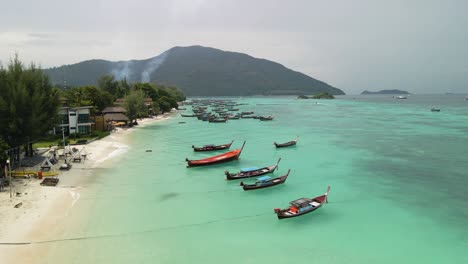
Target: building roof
{"x":81,"y":107}
{"x":116,"y":117}
{"x":114,"y":109}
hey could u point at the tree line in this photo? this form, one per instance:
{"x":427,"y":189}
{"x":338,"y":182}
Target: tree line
{"x":109,"y":89}
{"x":29,"y":103}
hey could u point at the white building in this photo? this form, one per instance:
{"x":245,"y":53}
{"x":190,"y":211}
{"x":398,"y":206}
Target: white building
{"x":75,"y":120}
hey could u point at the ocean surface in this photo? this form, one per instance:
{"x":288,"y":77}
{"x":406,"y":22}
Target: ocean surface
{"x":398,"y":175}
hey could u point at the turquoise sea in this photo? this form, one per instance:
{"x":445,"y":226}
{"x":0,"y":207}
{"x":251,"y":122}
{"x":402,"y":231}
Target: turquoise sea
{"x":398,"y":175}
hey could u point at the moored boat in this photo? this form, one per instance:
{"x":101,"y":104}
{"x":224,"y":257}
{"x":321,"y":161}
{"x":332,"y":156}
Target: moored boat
{"x":266,"y":118}
{"x":265,"y":182}
{"x":218,"y":120}
{"x":224,"y":157}
{"x":188,"y":115}
{"x":401,"y":97}
{"x":302,"y":206}
{"x":286,"y":144}
{"x":435,"y":109}
{"x":251,"y":172}
{"x":212,"y":147}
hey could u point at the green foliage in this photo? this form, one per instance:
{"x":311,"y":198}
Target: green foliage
{"x":28,"y":103}
{"x":88,"y":96}
{"x":164,"y":104}
{"x":324,"y":95}
{"x":135,"y":105}
{"x":100,"y":134}
{"x":3,"y":148}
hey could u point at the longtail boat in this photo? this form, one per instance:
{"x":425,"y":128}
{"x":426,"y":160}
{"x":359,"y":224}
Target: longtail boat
{"x":225,"y":157}
{"x":266,"y":118}
{"x":217,"y":120}
{"x":212,"y":147}
{"x":265,"y":182}
{"x":251,"y":172}
{"x":302,"y":206}
{"x":188,"y":115}
{"x":287,"y":144}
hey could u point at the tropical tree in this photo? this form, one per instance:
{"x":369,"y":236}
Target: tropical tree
{"x":28,"y":104}
{"x":135,"y":105}
{"x":88,"y":96}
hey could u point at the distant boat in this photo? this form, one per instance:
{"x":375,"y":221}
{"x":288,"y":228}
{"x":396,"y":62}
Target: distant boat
{"x":266,"y":118}
{"x":302,"y":206}
{"x":213,"y":147}
{"x":188,"y":115}
{"x":251,"y":172}
{"x":225,"y":157}
{"x":401,"y":97}
{"x":434,"y":109}
{"x":218,"y":120}
{"x":287,"y":144}
{"x":265,"y":182}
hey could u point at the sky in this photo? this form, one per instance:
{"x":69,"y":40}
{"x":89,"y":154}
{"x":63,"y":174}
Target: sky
{"x":355,"y":45}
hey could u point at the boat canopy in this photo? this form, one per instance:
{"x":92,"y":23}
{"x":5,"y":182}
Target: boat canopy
{"x":249,"y":169}
{"x":209,"y":145}
{"x":264,"y":178}
{"x":301,"y":202}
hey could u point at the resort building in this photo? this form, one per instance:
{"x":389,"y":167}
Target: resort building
{"x":115,"y":116}
{"x":75,"y":120}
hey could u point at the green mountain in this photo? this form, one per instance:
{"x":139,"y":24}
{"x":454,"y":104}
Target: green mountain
{"x":198,"y":71}
{"x":386,"y":92}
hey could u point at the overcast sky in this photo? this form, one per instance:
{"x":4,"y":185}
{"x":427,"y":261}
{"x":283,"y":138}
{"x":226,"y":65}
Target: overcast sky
{"x":355,"y":45}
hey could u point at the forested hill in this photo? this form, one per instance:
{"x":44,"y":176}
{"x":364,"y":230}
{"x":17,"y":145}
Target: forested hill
{"x":198,"y":71}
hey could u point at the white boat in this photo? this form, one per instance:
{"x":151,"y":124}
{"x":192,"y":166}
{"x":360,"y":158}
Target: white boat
{"x":401,"y":97}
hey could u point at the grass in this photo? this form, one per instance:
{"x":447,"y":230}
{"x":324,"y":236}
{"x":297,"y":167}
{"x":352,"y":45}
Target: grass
{"x":58,"y":141}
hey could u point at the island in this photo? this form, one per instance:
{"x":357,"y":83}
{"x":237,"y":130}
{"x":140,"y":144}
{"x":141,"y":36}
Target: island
{"x":324,"y":95}
{"x":395,"y":91}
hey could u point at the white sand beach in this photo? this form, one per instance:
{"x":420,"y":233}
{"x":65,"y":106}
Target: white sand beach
{"x":43,"y":208}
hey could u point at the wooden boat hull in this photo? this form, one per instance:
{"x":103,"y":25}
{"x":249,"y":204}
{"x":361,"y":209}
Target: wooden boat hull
{"x":270,"y":183}
{"x":221,"y":158}
{"x":316,"y":203}
{"x":249,"y":174}
{"x":287,"y":144}
{"x":298,"y":214}
{"x":212,"y":148}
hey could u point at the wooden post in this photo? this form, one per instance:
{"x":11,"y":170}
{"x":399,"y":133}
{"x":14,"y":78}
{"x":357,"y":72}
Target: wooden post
{"x":10,"y":183}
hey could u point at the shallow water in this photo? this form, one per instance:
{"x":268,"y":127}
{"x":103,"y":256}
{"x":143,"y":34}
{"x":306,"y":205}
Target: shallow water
{"x":398,"y":174}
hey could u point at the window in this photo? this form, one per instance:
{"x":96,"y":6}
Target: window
{"x":83,"y":118}
{"x":83,"y":129}
{"x":64,"y":119}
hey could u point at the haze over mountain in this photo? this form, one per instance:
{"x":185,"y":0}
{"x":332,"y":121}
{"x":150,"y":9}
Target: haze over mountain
{"x":198,"y":70}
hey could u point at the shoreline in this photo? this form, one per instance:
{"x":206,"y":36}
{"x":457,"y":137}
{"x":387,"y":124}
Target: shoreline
{"x":43,"y":207}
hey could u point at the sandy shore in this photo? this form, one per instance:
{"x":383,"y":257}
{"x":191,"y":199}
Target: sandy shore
{"x":43,"y":208}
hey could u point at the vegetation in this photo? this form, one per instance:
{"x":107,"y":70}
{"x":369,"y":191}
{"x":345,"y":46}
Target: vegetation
{"x":88,"y":96}
{"x":57,"y":140}
{"x":317,"y":96}
{"x":395,"y":91}
{"x":200,"y":71}
{"x":109,"y":89}
{"x":135,"y":105}
{"x":323,"y":96}
{"x":28,"y":105}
